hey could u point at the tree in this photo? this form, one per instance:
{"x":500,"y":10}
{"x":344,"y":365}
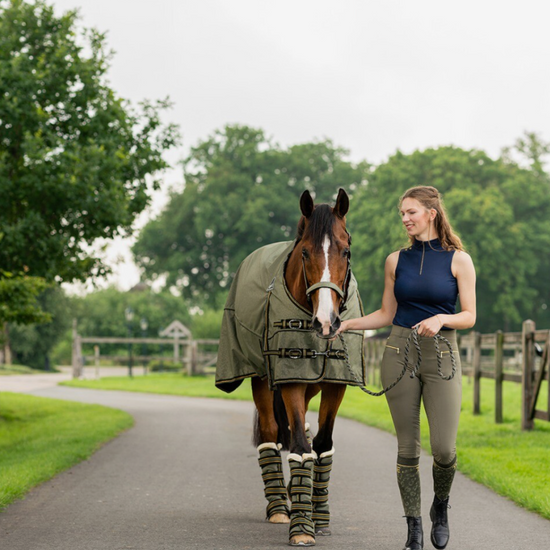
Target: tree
{"x":76,"y":161}
{"x":500,"y":211}
{"x":530,"y":149}
{"x":18,"y":303}
{"x":31,"y":343}
{"x":101,"y":313}
{"x":241,"y":192}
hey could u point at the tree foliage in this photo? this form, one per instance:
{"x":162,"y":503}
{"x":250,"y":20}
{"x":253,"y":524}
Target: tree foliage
{"x":101,"y":313}
{"x":31,"y":343}
{"x":241,"y":192}
{"x":500,"y":211}
{"x":19,"y":299}
{"x":76,"y":161}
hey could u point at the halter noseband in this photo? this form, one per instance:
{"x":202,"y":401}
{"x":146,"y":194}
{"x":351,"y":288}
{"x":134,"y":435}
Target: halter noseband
{"x":328,"y":284}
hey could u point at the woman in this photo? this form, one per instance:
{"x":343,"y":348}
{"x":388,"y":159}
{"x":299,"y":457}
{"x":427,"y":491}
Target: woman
{"x":421,"y":287}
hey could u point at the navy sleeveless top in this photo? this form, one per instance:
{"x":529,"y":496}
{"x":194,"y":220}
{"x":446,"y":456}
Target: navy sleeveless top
{"x":424,"y":283}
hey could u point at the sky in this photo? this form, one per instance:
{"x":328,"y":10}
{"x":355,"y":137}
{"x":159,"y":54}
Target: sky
{"x":373,"y":76}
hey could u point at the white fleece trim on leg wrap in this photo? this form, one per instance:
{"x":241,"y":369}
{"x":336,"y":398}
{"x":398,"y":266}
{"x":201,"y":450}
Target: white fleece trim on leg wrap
{"x":274,"y":446}
{"x":328,"y":453}
{"x":297,"y":458}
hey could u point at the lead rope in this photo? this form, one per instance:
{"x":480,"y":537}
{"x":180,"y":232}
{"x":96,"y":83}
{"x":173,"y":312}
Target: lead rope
{"x":414,"y":371}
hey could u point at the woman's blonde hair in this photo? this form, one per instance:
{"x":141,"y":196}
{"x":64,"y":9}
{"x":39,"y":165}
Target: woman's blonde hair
{"x":429,"y":197}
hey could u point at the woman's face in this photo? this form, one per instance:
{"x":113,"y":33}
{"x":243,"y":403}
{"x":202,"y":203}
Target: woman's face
{"x":416,"y":217}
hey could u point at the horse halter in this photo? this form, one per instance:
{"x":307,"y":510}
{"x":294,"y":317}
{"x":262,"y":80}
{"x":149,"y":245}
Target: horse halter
{"x":343,"y":293}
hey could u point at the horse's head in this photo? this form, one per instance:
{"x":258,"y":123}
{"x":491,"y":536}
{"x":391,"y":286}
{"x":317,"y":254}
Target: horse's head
{"x":325,"y":252}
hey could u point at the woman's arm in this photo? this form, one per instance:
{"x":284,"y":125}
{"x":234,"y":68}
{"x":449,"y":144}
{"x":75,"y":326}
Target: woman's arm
{"x":464,"y":271}
{"x":383,"y":316}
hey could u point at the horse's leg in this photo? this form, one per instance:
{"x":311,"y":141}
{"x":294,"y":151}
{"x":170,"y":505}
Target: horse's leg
{"x":300,"y":460}
{"x":311,"y":391}
{"x":331,"y":398}
{"x":270,"y":454}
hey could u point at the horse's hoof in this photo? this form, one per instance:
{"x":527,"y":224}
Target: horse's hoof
{"x":323,"y":531}
{"x":279,"y":518}
{"x":302,"y":540}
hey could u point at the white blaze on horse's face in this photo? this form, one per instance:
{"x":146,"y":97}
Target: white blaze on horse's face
{"x":325,"y":307}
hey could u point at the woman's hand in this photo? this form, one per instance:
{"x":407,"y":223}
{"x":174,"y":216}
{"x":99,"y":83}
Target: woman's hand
{"x":342,"y":328}
{"x":430,"y":326}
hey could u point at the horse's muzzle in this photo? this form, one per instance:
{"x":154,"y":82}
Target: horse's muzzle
{"x":318,"y":327}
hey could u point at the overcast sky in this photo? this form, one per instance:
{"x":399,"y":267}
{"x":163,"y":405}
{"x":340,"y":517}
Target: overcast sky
{"x":373,"y":76}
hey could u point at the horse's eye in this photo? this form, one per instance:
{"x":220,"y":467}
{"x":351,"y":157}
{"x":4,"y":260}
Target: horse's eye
{"x":305,"y":254}
{"x":345,"y":253}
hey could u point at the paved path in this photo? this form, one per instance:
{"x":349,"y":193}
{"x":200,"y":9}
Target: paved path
{"x":24,"y":383}
{"x":186,"y":477}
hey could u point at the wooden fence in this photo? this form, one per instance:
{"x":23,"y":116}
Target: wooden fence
{"x":199,"y":356}
{"x":521,"y":357}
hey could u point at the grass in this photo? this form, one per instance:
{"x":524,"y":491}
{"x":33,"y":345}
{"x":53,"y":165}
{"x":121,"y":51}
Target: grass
{"x":6,"y":370}
{"x":41,"y":437}
{"x":502,"y":457}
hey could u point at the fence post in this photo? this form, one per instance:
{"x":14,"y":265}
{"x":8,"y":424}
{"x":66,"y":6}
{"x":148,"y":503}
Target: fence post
{"x":194,"y":363}
{"x":96,"y":357}
{"x":77,"y":352}
{"x":476,"y":360}
{"x":189,"y":357}
{"x":499,"y":357}
{"x":528,"y":351}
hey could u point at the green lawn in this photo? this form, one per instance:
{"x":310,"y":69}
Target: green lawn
{"x":41,"y":437}
{"x":511,"y":462}
{"x":6,"y":370}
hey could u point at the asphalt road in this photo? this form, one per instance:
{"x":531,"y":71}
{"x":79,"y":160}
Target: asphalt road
{"x":186,"y":477}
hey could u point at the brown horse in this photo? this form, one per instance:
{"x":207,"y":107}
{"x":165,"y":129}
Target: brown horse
{"x":320,"y":255}
{"x":317,"y":276}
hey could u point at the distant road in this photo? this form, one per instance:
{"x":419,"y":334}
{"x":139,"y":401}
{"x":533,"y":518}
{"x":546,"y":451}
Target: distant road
{"x":186,"y":477}
{"x":24,"y":383}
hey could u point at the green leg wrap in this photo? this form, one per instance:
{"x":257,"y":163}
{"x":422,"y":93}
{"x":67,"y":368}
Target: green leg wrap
{"x":443,"y":478}
{"x":274,"y":482}
{"x":321,"y":477}
{"x":301,"y":490}
{"x":408,"y":479}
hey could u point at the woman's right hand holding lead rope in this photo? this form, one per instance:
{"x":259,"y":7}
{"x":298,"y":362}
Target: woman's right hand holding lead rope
{"x":429,"y":327}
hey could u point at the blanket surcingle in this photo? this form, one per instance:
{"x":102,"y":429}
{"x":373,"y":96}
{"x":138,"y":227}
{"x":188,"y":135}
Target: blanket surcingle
{"x":265,"y":332}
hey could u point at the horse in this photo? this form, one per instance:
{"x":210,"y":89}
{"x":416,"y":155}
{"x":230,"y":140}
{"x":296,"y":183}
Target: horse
{"x":291,"y":360}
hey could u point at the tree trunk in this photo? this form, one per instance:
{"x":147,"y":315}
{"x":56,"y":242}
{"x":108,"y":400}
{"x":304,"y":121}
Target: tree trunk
{"x":6,"y":344}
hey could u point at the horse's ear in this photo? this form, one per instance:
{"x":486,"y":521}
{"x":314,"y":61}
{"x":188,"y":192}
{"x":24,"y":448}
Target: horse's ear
{"x":342,"y":204}
{"x":306,"y":204}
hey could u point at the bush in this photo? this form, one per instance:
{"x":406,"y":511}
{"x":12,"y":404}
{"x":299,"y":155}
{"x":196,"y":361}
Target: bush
{"x":207,"y":324}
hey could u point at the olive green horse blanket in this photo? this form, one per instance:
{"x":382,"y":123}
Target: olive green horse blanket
{"x":265,"y":332}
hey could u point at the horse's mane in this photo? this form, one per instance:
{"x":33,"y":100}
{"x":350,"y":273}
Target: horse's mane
{"x":321,"y":223}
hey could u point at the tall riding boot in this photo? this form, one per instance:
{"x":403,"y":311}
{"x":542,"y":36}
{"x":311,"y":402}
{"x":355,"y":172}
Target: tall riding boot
{"x":443,"y":479}
{"x":321,"y":477}
{"x":415,"y":535}
{"x":274,"y":482}
{"x":301,"y":490}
